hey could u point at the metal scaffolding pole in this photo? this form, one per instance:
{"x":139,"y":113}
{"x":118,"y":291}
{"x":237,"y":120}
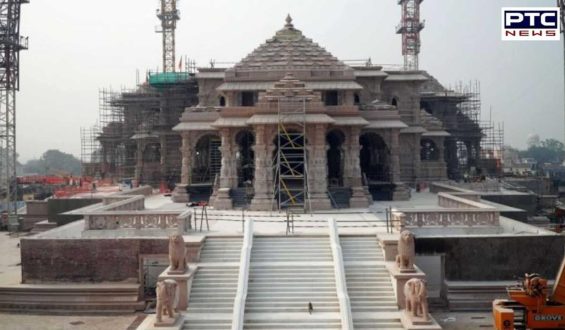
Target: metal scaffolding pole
{"x":291,"y":159}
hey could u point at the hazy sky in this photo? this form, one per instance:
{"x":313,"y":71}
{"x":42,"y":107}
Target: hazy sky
{"x":77,"y":47}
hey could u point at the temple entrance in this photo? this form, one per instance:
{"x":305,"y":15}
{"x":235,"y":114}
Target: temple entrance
{"x":375,"y":166}
{"x":374,"y":157}
{"x":245,"y":156}
{"x":206,"y":165}
{"x":335,"y":139}
{"x":289,"y":169}
{"x":245,"y":159}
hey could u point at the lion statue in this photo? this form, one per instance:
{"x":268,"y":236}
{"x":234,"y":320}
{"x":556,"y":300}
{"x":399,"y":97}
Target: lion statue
{"x":416,"y":295}
{"x":177,"y":253}
{"x":406,"y":251}
{"x":166,"y":298}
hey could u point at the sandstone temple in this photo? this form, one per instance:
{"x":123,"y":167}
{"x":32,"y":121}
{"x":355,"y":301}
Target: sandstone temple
{"x":288,"y":125}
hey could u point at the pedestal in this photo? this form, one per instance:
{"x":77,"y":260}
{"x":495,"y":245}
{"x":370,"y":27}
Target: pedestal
{"x":359,"y":198}
{"x":401,"y":192}
{"x":168,"y":322}
{"x":320,"y":202}
{"x":183,"y":279}
{"x":410,"y":322}
{"x":400,"y":278}
{"x":389,"y":244}
{"x":180,"y":195}
{"x":262,"y":203}
{"x":223,"y":200}
{"x":150,"y":323}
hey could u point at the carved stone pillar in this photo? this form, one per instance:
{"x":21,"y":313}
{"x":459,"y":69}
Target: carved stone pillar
{"x":401,"y":191}
{"x":263,"y":185}
{"x":360,"y":196}
{"x":228,"y":172}
{"x":395,"y":155}
{"x":139,"y":161}
{"x":180,"y":194}
{"x":318,"y":169}
{"x":163,"y":160}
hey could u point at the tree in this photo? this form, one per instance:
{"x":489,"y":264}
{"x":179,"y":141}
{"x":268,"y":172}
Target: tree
{"x":54,"y":162}
{"x":547,"y":151}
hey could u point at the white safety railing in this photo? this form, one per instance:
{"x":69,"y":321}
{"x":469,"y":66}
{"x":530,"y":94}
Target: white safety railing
{"x":339,"y":271}
{"x":243,"y":280}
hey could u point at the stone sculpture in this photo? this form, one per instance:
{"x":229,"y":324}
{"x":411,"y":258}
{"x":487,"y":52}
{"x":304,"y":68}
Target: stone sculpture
{"x":416,"y":295}
{"x":166,"y":298}
{"x":406,"y":252}
{"x":177,"y":254}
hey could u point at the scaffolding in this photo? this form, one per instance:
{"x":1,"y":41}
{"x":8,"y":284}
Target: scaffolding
{"x":291,"y":158}
{"x":90,"y":152}
{"x":480,"y":143}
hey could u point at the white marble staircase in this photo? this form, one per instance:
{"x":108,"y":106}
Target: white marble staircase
{"x":373,"y":303}
{"x":287,"y":273}
{"x":214,"y":285}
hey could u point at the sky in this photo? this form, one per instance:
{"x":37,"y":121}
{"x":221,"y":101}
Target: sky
{"x":79,"y":47}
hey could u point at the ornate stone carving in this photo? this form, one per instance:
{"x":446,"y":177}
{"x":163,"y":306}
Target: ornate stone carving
{"x":166,"y":299}
{"x":177,"y":254}
{"x":416,"y":295}
{"x":406,"y":252}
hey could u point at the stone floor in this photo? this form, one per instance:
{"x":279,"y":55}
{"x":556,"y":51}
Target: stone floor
{"x":10,"y":269}
{"x":464,"y":321}
{"x":449,"y":321}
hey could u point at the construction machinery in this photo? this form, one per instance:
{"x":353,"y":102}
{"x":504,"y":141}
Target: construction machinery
{"x":530,"y":307}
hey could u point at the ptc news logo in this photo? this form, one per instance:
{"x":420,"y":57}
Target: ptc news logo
{"x":530,"y":23}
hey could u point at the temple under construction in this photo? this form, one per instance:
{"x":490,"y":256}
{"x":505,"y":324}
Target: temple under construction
{"x":290,"y":125}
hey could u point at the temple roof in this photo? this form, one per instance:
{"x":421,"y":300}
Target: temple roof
{"x":289,"y":49}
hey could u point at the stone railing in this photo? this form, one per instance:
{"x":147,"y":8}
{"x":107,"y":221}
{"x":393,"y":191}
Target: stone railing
{"x":126,"y":210}
{"x":243,"y":278}
{"x":460,"y":201}
{"x":135,"y":220}
{"x":130,"y":204}
{"x":450,"y":218}
{"x":339,"y":272}
{"x":456,"y":211}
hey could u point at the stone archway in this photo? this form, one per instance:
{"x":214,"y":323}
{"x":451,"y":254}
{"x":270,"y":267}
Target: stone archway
{"x":335,"y":157}
{"x":245,"y":158}
{"x":374,"y":158}
{"x":207,"y":159}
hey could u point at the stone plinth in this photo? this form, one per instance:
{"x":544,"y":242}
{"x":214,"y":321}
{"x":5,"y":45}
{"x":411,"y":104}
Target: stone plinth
{"x":400,"y":278}
{"x":223,"y":200}
{"x":360,"y":198}
{"x":180,"y":195}
{"x":150,"y":323}
{"x":410,"y":322}
{"x":320,"y":202}
{"x":389,"y":244}
{"x":183,"y":280}
{"x":401,"y":192}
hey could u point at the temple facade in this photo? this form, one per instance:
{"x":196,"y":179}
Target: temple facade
{"x":364,"y":132}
